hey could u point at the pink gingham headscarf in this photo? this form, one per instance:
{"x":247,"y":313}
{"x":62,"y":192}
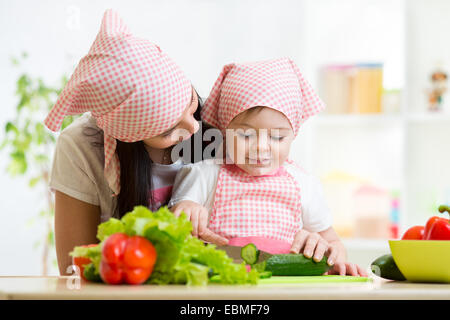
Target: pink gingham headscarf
{"x":132,"y":89}
{"x":276,"y":84}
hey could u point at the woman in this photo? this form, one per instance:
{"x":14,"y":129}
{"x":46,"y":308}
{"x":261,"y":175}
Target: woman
{"x":118,"y":156}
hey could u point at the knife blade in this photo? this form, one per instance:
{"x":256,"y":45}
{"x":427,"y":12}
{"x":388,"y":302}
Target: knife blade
{"x":234,"y":252}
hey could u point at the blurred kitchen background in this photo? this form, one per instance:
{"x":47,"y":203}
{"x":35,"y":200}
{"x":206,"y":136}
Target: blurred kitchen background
{"x":381,"y":149}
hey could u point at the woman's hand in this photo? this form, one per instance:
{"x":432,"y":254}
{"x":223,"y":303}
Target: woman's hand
{"x":198,"y":215}
{"x":311,"y":244}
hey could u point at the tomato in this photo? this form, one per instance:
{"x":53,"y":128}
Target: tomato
{"x":127,"y":259}
{"x":80,"y":262}
{"x":414,"y":233}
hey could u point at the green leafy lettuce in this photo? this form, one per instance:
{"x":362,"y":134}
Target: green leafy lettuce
{"x":181,"y":258}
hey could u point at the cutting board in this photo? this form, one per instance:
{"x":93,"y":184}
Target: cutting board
{"x":311,"y":279}
{"x":304,"y":279}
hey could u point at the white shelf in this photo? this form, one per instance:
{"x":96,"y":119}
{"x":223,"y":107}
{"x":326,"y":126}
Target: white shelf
{"x":364,"y":251}
{"x":363,"y":244}
{"x":358,"y":119}
{"x":424,"y":118}
{"x":380,"y":119}
{"x":392,"y":150}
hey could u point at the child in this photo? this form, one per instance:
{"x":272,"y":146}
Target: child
{"x":259,"y":195}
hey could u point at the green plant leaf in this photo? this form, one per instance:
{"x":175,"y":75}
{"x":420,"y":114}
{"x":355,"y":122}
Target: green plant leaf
{"x":41,"y":158}
{"x":15,"y":61}
{"x":11,"y":127}
{"x":30,"y":222}
{"x":51,"y":138}
{"x":39,"y":133}
{"x":27,"y":140}
{"x":46,"y":213}
{"x":4,"y":143}
{"x":50,"y":238}
{"x":22,"y":142}
{"x":18,"y":164}
{"x":23,"y":85}
{"x":67,"y":120}
{"x":33,"y":181}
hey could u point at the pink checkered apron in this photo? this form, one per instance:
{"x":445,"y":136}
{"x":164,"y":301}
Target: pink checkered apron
{"x":259,"y":206}
{"x":266,"y":206}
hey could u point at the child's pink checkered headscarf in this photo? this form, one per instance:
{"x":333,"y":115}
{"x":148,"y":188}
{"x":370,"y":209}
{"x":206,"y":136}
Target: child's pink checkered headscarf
{"x":132,"y":89}
{"x":277,"y":84}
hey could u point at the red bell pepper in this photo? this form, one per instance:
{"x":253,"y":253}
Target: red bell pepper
{"x":80,"y":262}
{"x":414,"y":233}
{"x":127,"y":259}
{"x":438,"y":228}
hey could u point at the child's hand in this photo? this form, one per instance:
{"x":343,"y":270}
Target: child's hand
{"x":347,"y":268}
{"x":311,"y":244}
{"x":336,"y":252}
{"x":198,"y":215}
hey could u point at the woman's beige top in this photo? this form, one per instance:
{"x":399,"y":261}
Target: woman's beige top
{"x":78,"y":169}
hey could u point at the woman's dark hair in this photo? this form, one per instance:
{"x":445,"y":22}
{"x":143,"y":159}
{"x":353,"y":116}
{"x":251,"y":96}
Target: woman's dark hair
{"x":136,"y":169}
{"x":135,"y":176}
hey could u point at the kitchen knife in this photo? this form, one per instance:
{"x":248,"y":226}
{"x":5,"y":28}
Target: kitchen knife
{"x":234,"y":252}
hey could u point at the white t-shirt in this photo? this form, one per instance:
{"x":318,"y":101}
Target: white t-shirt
{"x":197,"y":182}
{"x":78,"y":167}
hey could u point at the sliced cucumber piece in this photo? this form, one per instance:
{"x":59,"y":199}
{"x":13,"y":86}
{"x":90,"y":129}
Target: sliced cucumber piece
{"x":250,"y":254}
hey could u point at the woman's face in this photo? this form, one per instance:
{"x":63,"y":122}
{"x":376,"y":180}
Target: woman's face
{"x":261,"y":141}
{"x":186,"y":126}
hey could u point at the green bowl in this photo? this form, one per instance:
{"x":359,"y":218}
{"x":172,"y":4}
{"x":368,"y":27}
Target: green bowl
{"x":422,"y":260}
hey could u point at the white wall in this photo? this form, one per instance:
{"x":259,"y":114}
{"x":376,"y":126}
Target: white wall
{"x":428,"y":48}
{"x":202,"y":36}
{"x":353,"y":31}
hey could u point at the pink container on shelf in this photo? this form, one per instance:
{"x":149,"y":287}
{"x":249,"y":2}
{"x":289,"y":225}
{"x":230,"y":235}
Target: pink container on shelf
{"x":336,"y":87}
{"x":371,"y":212}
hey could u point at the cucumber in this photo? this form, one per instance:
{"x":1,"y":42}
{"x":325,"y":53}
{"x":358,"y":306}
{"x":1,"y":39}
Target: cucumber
{"x":250,"y":254}
{"x":283,"y":264}
{"x":265,"y":275}
{"x":385,"y":267}
{"x":296,"y":265}
{"x":260,"y":266}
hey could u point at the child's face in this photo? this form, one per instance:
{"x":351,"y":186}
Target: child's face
{"x":259,"y":141}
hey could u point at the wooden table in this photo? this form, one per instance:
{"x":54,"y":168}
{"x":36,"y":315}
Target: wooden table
{"x":27,"y":287}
